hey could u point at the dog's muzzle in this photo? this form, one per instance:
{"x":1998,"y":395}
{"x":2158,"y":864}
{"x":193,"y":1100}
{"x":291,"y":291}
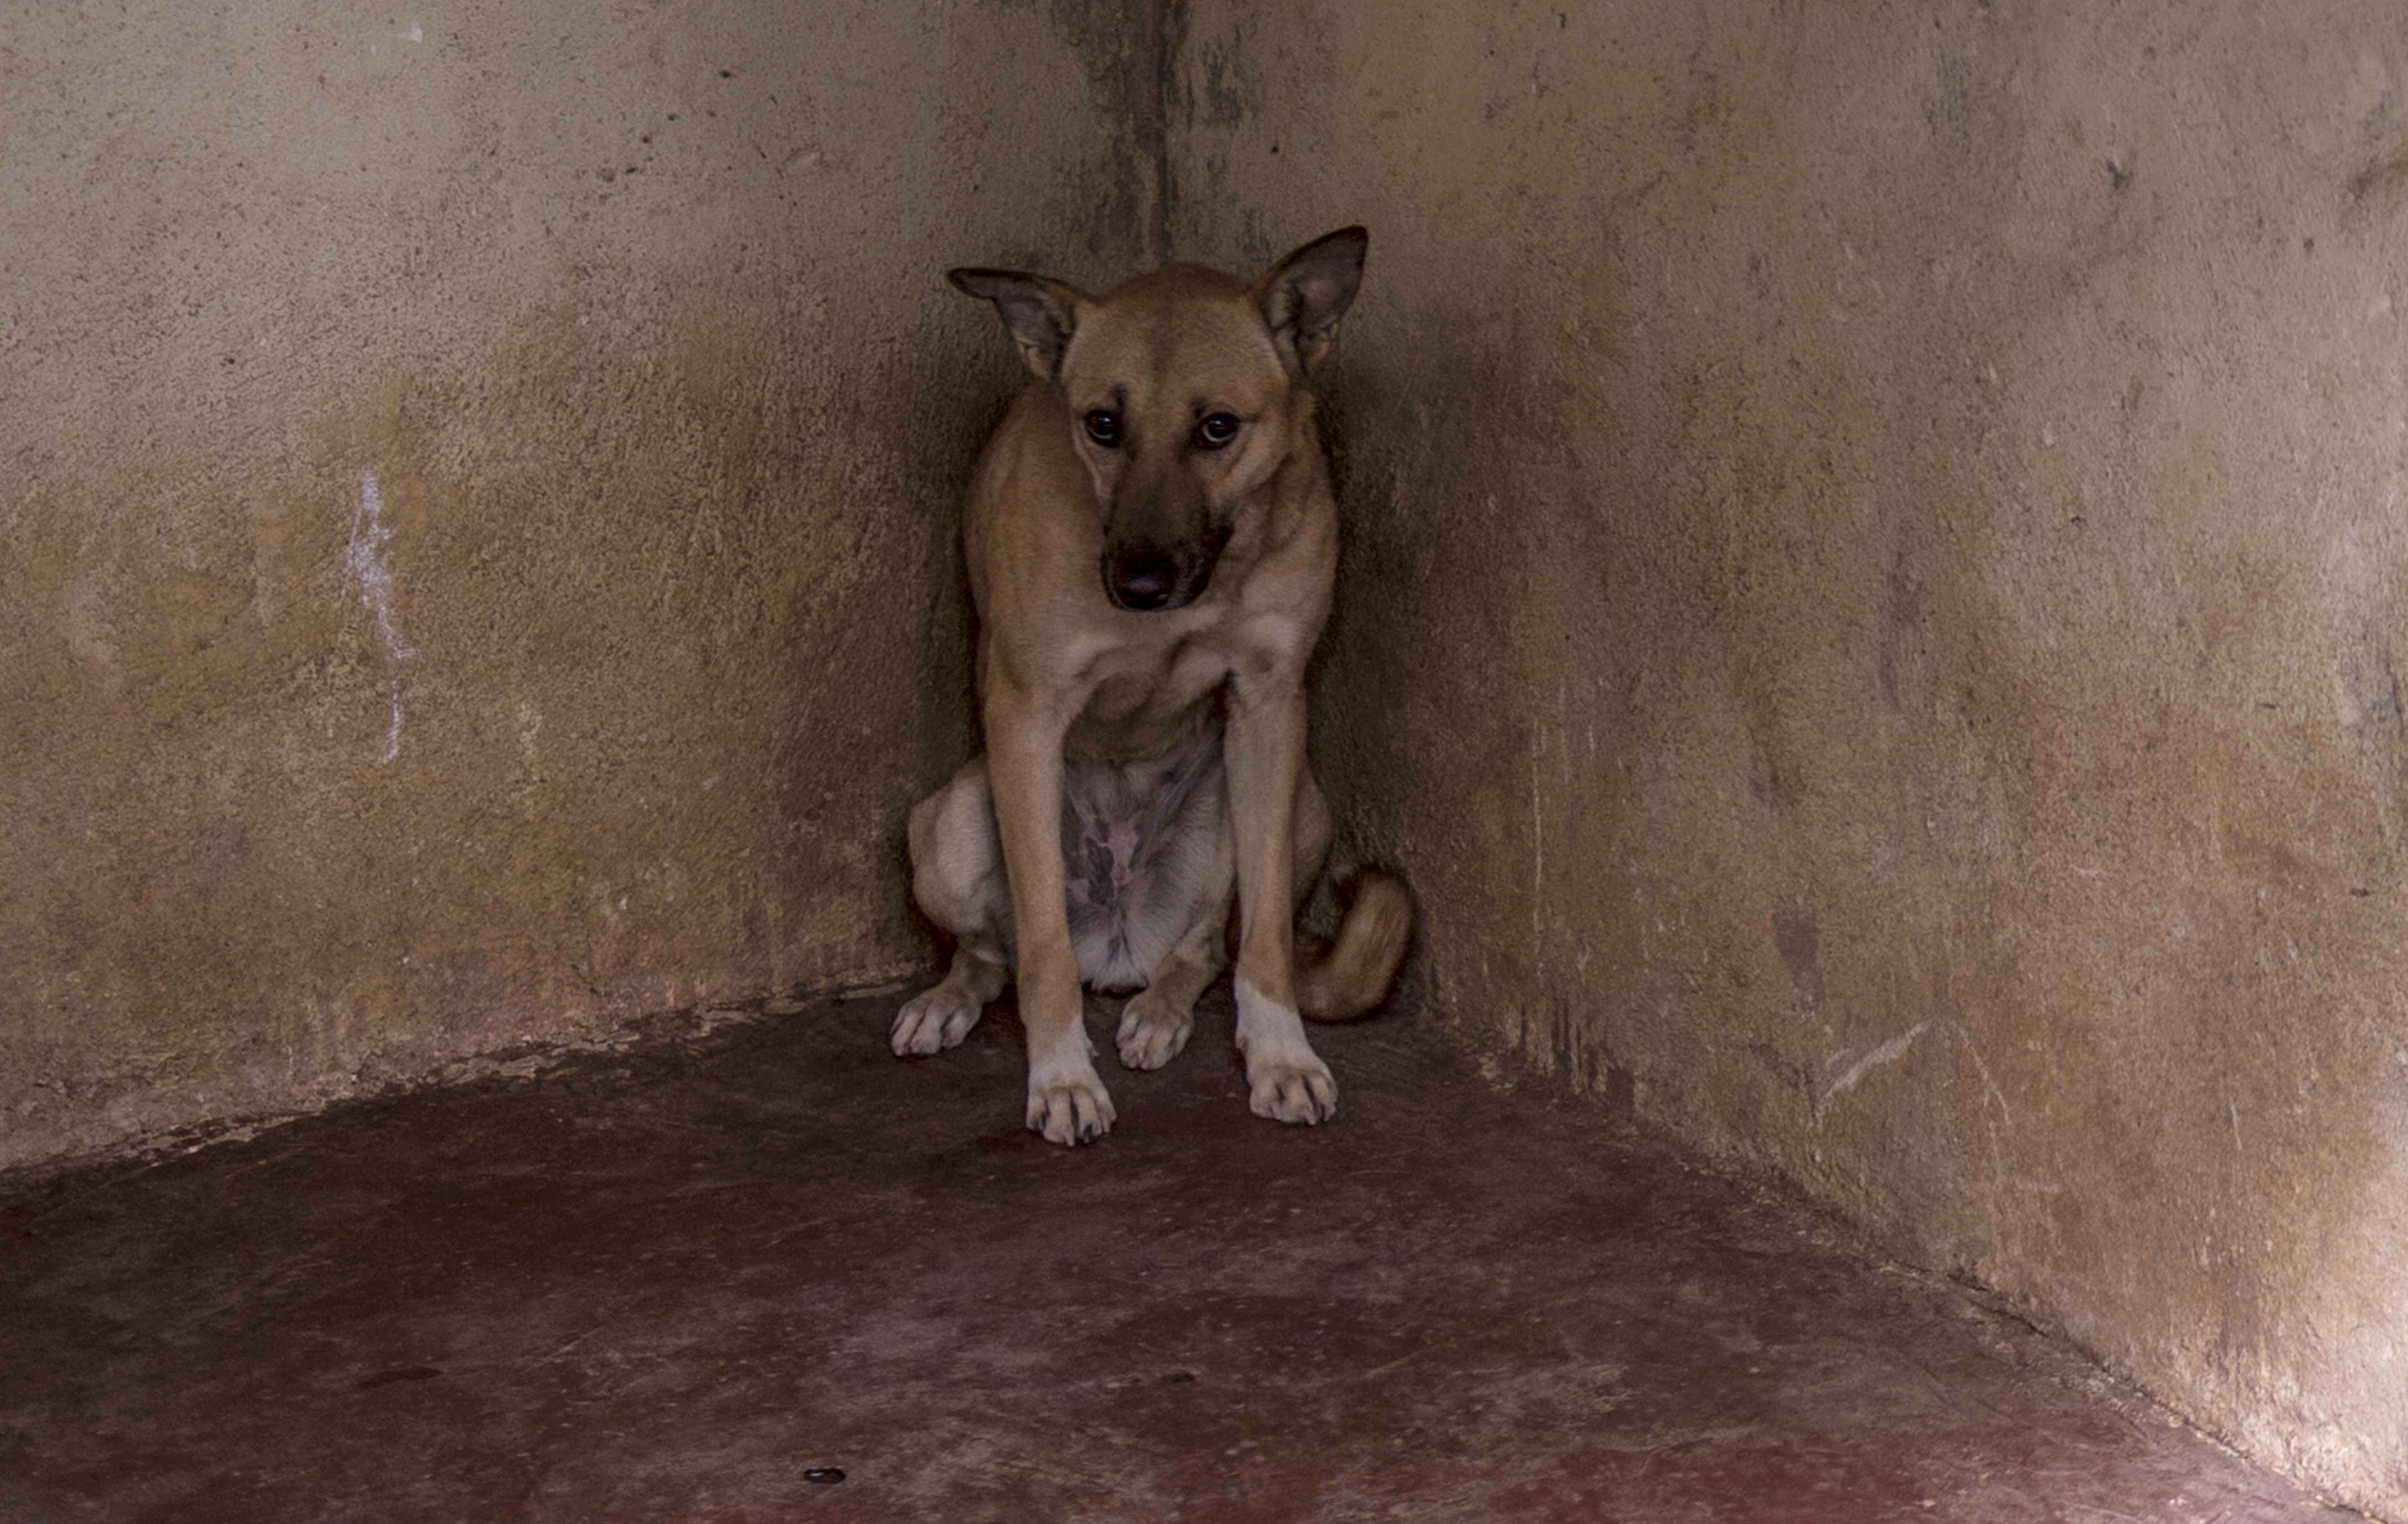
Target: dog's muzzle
{"x":1145,"y":581}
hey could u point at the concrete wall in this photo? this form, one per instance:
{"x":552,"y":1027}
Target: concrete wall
{"x":476,"y":512}
{"x":1871,"y":620}
{"x":1874,"y":615}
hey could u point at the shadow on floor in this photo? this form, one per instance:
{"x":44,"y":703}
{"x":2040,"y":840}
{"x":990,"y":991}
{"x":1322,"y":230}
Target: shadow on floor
{"x":680,"y":1281}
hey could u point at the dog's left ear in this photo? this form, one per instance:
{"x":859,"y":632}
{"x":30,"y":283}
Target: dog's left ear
{"x":1040,"y":313}
{"x":1303,"y":296}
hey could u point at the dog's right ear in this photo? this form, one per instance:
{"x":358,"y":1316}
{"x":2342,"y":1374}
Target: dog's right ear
{"x":1040,"y":313}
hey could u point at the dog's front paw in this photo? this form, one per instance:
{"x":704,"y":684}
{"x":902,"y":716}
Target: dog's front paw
{"x":1285,"y":1078}
{"x":1153,"y":1030}
{"x":1071,"y":1110}
{"x":933,"y":1020}
{"x":1289,"y":1089}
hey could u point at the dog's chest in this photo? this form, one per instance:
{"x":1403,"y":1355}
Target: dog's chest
{"x":1145,"y":700}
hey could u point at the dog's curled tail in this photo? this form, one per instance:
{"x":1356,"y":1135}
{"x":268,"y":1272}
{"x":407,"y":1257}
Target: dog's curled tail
{"x":1351,"y":974}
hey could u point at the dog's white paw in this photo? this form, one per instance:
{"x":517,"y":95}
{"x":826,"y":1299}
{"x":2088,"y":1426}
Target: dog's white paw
{"x":933,"y":1020}
{"x":1069,"y":1108}
{"x":1152,"y":1032}
{"x":1290,"y":1088}
{"x":1285,"y":1079}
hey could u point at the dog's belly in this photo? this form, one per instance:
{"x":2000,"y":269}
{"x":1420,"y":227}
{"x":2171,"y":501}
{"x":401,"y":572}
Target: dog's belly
{"x":1137,"y":840}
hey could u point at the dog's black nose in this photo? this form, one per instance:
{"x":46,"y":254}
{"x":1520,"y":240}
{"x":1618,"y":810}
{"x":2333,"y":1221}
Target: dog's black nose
{"x":1143,"y":580}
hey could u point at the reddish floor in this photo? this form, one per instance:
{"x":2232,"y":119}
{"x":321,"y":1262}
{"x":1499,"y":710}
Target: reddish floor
{"x":668,"y":1283}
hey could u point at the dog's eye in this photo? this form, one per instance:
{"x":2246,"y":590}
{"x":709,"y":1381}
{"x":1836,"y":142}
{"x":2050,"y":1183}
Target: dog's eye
{"x":1216,"y":430}
{"x":1104,"y":428}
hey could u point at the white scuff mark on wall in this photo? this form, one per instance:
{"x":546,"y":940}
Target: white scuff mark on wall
{"x":1988,"y":1083}
{"x":412,"y":33}
{"x":1889,"y":1052}
{"x":364,"y":567}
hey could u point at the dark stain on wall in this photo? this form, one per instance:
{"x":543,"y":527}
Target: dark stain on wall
{"x":1901,"y":615}
{"x":2373,"y":689}
{"x":1800,"y":945}
{"x":1948,"y":111}
{"x":1132,"y":51}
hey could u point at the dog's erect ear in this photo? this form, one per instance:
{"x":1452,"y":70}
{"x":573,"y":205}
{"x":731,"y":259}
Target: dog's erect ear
{"x":1040,"y":313}
{"x":1303,"y":296}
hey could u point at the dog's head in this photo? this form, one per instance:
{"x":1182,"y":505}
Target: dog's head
{"x":1186,"y":390}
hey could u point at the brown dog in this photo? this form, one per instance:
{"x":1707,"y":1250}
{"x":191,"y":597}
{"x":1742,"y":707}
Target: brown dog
{"x":1151,"y":540}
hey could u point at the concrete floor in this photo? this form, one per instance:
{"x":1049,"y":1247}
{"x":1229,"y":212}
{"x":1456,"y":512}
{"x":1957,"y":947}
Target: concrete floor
{"x":672,"y":1281}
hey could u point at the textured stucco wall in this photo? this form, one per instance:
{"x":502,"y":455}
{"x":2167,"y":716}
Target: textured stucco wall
{"x":1875,"y":614}
{"x":1874,"y":583}
{"x":634,"y":316}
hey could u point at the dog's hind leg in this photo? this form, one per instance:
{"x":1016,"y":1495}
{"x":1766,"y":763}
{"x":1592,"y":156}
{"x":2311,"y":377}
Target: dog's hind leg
{"x":957,"y":877}
{"x":1313,"y":831}
{"x":1158,"y":1019}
